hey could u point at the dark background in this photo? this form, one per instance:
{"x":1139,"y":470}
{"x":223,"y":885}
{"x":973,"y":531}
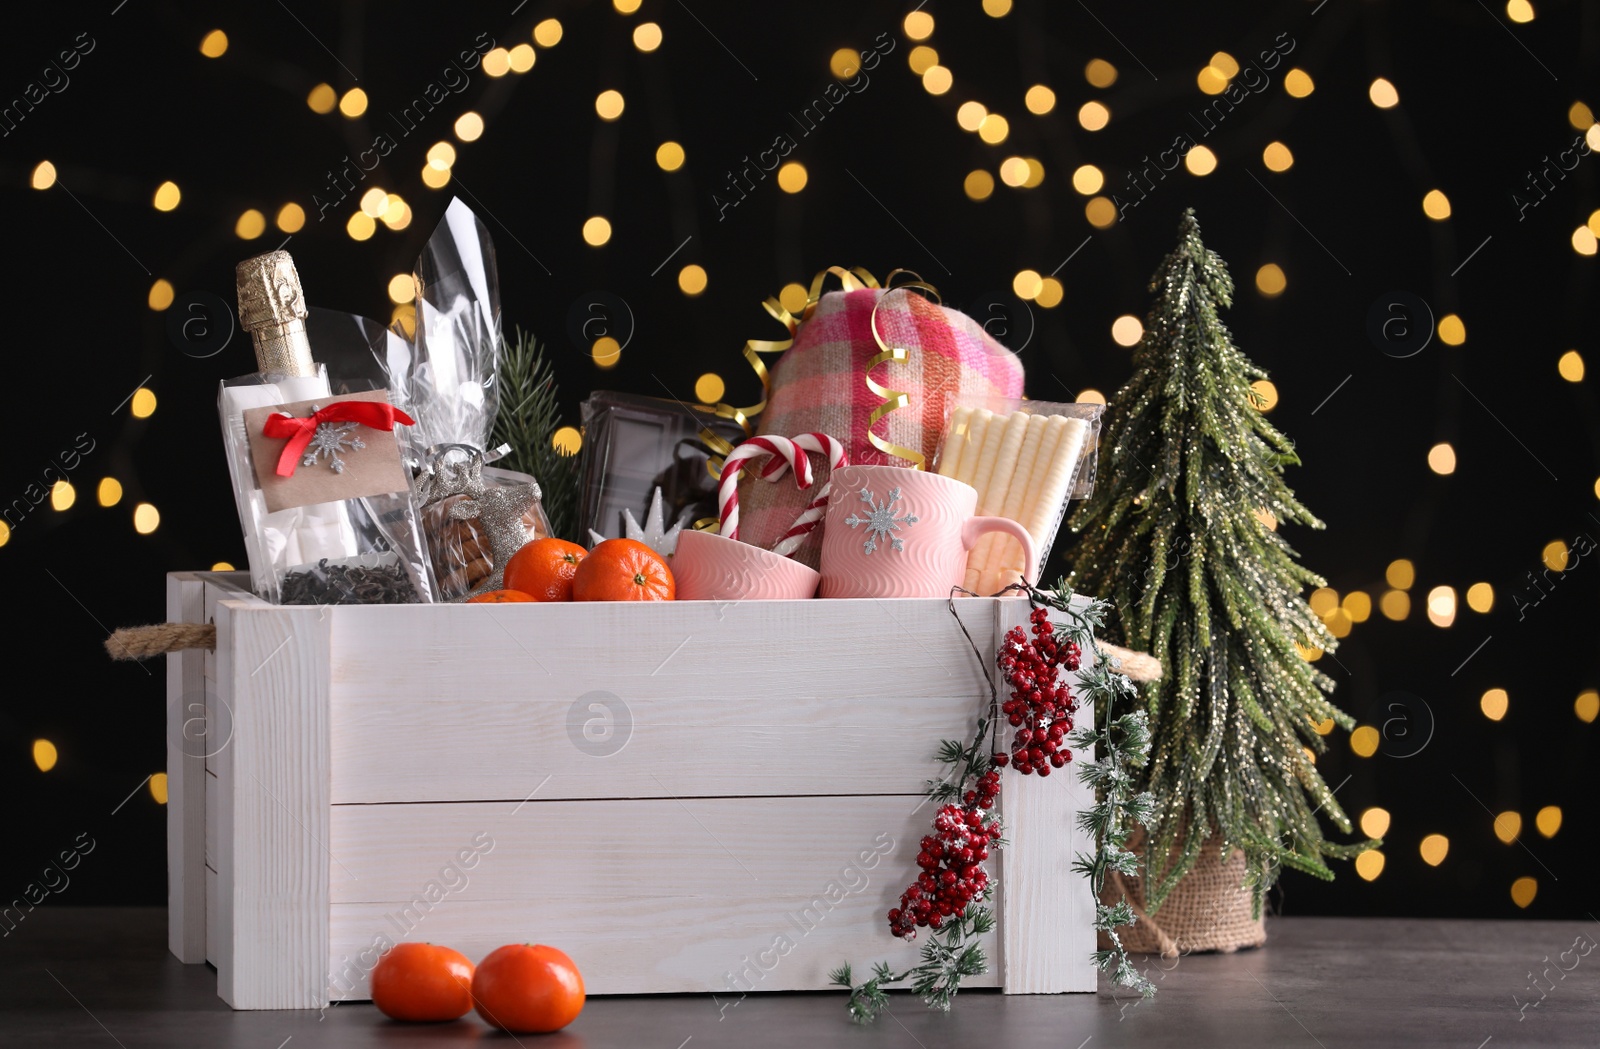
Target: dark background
{"x":1483,"y":102}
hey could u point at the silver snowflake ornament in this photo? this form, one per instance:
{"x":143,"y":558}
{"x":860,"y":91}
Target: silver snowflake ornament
{"x":654,"y":534}
{"x":329,"y":440}
{"x":882,"y":522}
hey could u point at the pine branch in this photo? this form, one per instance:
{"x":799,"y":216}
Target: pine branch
{"x":528,"y":417}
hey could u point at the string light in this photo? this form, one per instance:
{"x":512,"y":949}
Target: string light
{"x":109,"y":493}
{"x":669,"y":156}
{"x":609,"y":104}
{"x":1570,"y":366}
{"x":1100,"y":73}
{"x":844,"y":63}
{"x":1268,"y":392}
{"x":1364,"y":741}
{"x":692,"y":279}
{"x":918,"y":25}
{"x":1101,"y":212}
{"x":994,"y":129}
{"x":596,"y":231}
{"x":1039,"y":100}
{"x":922,"y":59}
{"x":1548,"y":820}
{"x":402,"y":288}
{"x":969,"y":116}
{"x":354,"y":103}
{"x":978,"y":185}
{"x":167,"y":196}
{"x":522,"y":57}
{"x":1014,"y":171}
{"x":1525,"y":888}
{"x":1434,"y":848}
{"x":791,"y":179}
{"x":1027,"y":284}
{"x":1357,"y":605}
{"x":1225,"y":64}
{"x":1587,"y":706}
{"x":1298,"y":83}
{"x":1369,"y":865}
{"x":1436,"y":205}
{"x":1092,"y":116}
{"x":44,"y":754}
{"x":469,"y":126}
{"x":1035,"y":172}
{"x":1090,"y":397}
{"x":434,"y":178}
{"x":158,"y":787}
{"x":1480,"y":597}
{"x":1270,"y":280}
{"x":709,"y":388}
{"x":1277,"y":157}
{"x":146,"y":518}
{"x":1375,"y":822}
{"x":1127,"y":330}
{"x":1051,"y":292}
{"x":1323,"y":600}
{"x":497,"y":62}
{"x":360,"y":226}
{"x":647,"y":36}
{"x":374,"y":200}
{"x":793,"y":297}
{"x":1442,"y":459}
{"x":606,"y":352}
{"x":1508,"y":826}
{"x":161,"y":294}
{"x":44,"y":175}
{"x":442,"y":155}
{"x":215,"y":44}
{"x":567,"y":440}
{"x":1395,"y":605}
{"x":626,"y":7}
{"x":291,"y":218}
{"x":322,"y":99}
{"x":1555,"y":555}
{"x":1580,"y":116}
{"x":1584,"y":241}
{"x":1401,"y":574}
{"x":1088,"y":179}
{"x":1383,"y":94}
{"x":997,"y":8}
{"x":1519,"y":10}
{"x":1200,"y":160}
{"x":937,"y":80}
{"x":547,"y":33}
{"x":1211,"y":80}
{"x":1452,"y":330}
{"x":1442,"y":606}
{"x":142,"y":404}
{"x":250,"y":225}
{"x":62,"y":495}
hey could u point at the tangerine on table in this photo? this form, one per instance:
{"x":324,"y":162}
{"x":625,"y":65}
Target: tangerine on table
{"x":500,"y":597}
{"x":623,"y":570}
{"x":422,"y":982}
{"x":544,"y":569}
{"x":527,"y":988}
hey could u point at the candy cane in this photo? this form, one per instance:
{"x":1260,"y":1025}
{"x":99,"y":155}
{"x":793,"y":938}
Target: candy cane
{"x":811,"y":518}
{"x":785,"y":454}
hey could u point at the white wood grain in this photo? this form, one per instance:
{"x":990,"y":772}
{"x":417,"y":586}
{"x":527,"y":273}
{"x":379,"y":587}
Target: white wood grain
{"x":1046,"y":910}
{"x":186,"y":781}
{"x":273,"y":823}
{"x":798,"y":698}
{"x":647,"y":896}
{"x":213,"y":926}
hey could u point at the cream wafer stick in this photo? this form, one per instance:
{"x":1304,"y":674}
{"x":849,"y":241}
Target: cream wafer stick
{"x":1038,"y":429}
{"x":994,"y":488}
{"x":1046,"y":500}
{"x":1007,"y":552}
{"x":955,"y":437}
{"x":977,"y":426}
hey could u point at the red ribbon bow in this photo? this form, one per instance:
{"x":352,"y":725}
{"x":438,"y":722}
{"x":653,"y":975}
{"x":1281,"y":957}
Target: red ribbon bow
{"x":374,"y":414}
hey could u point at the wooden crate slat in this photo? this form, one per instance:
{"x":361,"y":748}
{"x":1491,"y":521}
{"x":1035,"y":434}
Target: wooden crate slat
{"x":186,"y":779}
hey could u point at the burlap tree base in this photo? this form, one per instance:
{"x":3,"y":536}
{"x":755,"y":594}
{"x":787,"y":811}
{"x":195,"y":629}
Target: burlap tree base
{"x":1208,"y":910}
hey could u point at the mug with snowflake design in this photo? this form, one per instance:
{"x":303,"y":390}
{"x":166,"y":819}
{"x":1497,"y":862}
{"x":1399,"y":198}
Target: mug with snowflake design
{"x":896,"y":532}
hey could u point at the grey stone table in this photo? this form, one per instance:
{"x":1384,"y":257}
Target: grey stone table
{"x":90,"y":977}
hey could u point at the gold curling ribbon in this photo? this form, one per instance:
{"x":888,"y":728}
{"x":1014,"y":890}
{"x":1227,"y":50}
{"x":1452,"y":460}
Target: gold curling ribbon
{"x":893,"y":400}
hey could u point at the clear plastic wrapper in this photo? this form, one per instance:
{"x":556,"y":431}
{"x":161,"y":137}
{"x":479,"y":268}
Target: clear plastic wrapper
{"x":1028,"y":460}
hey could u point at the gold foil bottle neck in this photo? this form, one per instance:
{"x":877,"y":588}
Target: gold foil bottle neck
{"x":272,"y":309}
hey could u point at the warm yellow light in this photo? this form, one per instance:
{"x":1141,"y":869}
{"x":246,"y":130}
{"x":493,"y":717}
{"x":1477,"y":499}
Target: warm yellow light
{"x":793,"y":297}
{"x":1270,"y":280}
{"x":146,"y":519}
{"x":1100,"y":73}
{"x":1384,"y":95}
{"x":1014,"y":171}
{"x":354,"y":103}
{"x":1039,"y":100}
{"x":1225,"y":64}
{"x":5,"y":533}
{"x":44,"y":754}
{"x":441,"y":155}
{"x":596,"y":231}
{"x":62,"y":495}
{"x":396,"y":212}
{"x":1584,"y":241}
{"x":1267,"y":391}
{"x":1580,"y":116}
{"x":1480,"y":597}
{"x":1570,"y":366}
{"x":1442,"y":605}
{"x":1375,"y":822}
{"x":1587,"y":705}
{"x":937,"y":80}
{"x":997,"y":8}
{"x":709,"y":388}
{"x":161,"y":294}
{"x":647,"y":36}
{"x":844,"y":63}
{"x":360,"y":226}
{"x":1494,"y":703}
{"x":1088,"y":179}
{"x":1298,"y":83}
{"x":692,"y":279}
{"x":250,"y":225}
{"x":1027,"y":284}
{"x":1592,"y":136}
{"x":922,"y":59}
{"x":1035,"y":172}
{"x":626,"y":7}
{"x":1364,"y":741}
{"x":1369,"y":865}
{"x":978,"y":184}
{"x":1323,"y":600}
{"x":158,"y":787}
{"x":1436,"y":205}
{"x":970,"y":115}
{"x":167,"y":196}
{"x":1101,"y":212}
{"x":1395,"y":604}
{"x":606,"y":352}
{"x":918,"y":25}
{"x":143,"y":403}
{"x":1452,"y":330}
{"x":1401,"y":574}
{"x":547,"y":33}
{"x":669,"y":156}
{"x":1200,"y":160}
{"x":469,"y":127}
{"x":1050,"y":294}
{"x":374,"y":200}
{"x":322,"y":98}
{"x":792,"y":176}
{"x":1555,"y":555}
{"x":1525,"y":888}
{"x":110,"y":491}
{"x":433,"y":178}
{"x":567,"y":440}
{"x":1092,"y":116}
{"x":1269,"y":521}
{"x":522,"y":57}
{"x":291,"y":218}
{"x":214,"y":44}
{"x":1434,"y":848}
{"x":1442,"y":458}
{"x":1548,"y":820}
{"x":1277,"y":157}
{"x":402,"y":288}
{"x":44,"y":175}
{"x":1090,"y":397}
{"x":1339,"y":623}
{"x":1309,"y":653}
{"x":1127,"y":330}
{"x":1519,"y":10}
{"x":405,"y":319}
{"x":1323,"y":727}
{"x":609,"y":104}
{"x":1211,"y":80}
{"x":1357,"y":605}
{"x":497,"y":62}
{"x":1508,"y":826}
{"x":222,"y":566}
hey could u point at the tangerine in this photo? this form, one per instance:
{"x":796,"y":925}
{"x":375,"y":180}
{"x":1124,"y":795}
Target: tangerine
{"x":544,"y":569}
{"x":623,"y":570}
{"x":422,"y":982}
{"x":500,"y":597}
{"x":527,"y":988}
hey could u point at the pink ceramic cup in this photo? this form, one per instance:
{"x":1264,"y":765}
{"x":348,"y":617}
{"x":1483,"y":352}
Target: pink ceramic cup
{"x":895,"y":532}
{"x":709,"y":567}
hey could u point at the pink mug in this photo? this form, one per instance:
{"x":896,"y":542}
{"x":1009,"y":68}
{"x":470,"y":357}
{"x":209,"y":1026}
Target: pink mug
{"x":895,"y":532}
{"x":710,"y":567}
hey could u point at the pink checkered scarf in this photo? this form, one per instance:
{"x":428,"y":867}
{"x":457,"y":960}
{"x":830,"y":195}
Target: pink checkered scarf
{"x":817,"y":385}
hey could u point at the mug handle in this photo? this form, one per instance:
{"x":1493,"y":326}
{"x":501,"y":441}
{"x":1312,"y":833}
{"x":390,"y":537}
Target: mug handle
{"x":977,"y":526}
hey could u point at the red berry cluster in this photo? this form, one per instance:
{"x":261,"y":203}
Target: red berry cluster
{"x":1040,"y":708}
{"x":952,"y":862}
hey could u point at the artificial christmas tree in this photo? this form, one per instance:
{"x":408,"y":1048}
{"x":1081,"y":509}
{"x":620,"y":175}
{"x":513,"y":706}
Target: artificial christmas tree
{"x":1181,"y":538}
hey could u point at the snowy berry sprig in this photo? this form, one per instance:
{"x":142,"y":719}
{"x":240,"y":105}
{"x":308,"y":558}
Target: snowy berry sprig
{"x":1041,"y":705}
{"x":951,"y":859}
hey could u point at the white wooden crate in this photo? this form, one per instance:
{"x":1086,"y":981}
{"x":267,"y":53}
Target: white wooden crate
{"x":685,"y":797}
